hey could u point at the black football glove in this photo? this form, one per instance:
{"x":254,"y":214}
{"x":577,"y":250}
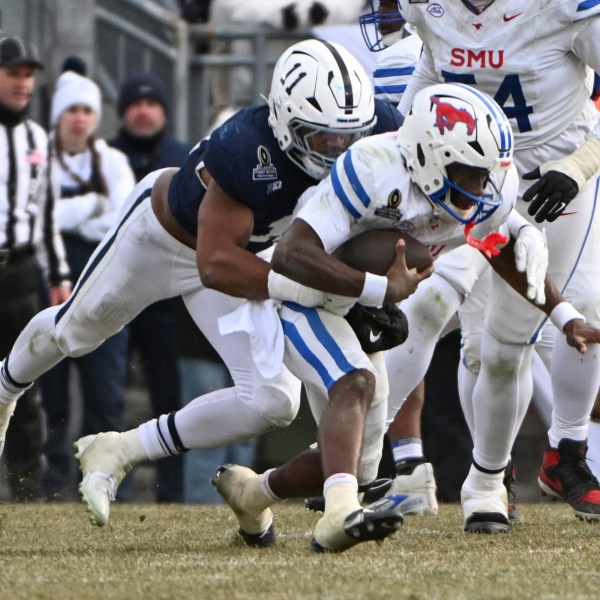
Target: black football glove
{"x":378,"y":329}
{"x":550,"y":195}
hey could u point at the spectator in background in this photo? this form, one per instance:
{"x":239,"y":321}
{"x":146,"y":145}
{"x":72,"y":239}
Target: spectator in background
{"x":27,"y":230}
{"x":201,"y":370}
{"x":143,"y":109}
{"x":284,"y":15}
{"x":195,"y":11}
{"x":94,"y":181}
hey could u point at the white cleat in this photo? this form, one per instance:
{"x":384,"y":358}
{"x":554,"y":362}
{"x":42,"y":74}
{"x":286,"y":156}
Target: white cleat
{"x":241,"y":489}
{"x":414,"y":491}
{"x":104,"y":461}
{"x":338,"y":530}
{"x":485,"y":506}
{"x":6,"y":412}
{"x":97,"y":491}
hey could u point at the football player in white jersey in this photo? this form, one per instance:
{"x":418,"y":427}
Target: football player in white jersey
{"x":447,"y":178}
{"x":399,"y":48}
{"x":532,"y":59}
{"x":321,"y":99}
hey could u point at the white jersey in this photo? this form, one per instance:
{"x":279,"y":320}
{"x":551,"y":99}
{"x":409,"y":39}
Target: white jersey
{"x":370,"y":188}
{"x":529,"y":56}
{"x":91,"y":215}
{"x":394,"y":67}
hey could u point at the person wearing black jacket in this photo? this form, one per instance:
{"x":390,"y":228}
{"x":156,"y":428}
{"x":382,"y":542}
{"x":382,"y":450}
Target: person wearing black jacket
{"x":143,"y":108}
{"x":28,"y":239}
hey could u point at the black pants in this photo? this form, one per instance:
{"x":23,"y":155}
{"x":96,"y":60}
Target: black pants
{"x":152,"y":333}
{"x":446,"y":438}
{"x":23,"y":452}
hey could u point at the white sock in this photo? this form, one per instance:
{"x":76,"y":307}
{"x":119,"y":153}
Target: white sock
{"x":341,"y":491}
{"x":483,"y":481}
{"x":157,"y":440}
{"x":407,"y":448}
{"x":9,"y":389}
{"x":213,"y":420}
{"x":266,"y":488}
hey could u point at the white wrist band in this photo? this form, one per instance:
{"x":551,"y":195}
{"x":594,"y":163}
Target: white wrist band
{"x":562,"y":313}
{"x":283,"y":288}
{"x":374,"y":289}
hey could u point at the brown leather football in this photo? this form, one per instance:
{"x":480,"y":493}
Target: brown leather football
{"x":375,"y":250}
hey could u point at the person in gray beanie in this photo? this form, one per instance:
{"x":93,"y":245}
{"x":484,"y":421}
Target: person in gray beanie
{"x":143,"y":107}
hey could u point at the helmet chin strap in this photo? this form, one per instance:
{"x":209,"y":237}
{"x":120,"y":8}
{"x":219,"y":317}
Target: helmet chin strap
{"x":489,"y":244}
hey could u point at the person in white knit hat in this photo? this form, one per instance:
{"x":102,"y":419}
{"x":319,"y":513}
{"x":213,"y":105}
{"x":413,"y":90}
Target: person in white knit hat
{"x":94,"y":181}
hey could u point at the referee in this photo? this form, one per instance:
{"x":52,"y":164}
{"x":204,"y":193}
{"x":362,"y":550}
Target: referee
{"x":29,"y":245}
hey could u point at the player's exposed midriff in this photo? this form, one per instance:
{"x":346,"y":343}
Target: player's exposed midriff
{"x":160,"y":206}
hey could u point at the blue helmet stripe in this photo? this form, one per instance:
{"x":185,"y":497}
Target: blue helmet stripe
{"x":506,"y":136}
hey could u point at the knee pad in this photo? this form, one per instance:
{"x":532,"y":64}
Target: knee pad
{"x":278,"y":400}
{"x":78,"y":336}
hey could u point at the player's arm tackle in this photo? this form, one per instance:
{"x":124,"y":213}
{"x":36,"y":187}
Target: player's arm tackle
{"x":563,"y":314}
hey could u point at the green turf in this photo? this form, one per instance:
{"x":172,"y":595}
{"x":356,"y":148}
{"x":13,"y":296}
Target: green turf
{"x":171,"y":552}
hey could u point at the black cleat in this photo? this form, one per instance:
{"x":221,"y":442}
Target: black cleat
{"x":487,"y":522}
{"x":266,"y":539}
{"x":565,"y":474}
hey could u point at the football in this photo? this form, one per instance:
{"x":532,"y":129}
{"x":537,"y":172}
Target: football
{"x":375,"y":250}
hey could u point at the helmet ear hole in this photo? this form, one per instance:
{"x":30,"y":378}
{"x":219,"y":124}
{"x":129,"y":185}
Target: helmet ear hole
{"x":420,"y":155}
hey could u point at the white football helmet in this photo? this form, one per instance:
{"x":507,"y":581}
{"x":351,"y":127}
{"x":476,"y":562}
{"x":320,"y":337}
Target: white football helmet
{"x":383,"y":26}
{"x":454,"y":123}
{"x":321,"y":101}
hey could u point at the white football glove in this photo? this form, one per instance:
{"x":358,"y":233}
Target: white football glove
{"x":531,"y":258}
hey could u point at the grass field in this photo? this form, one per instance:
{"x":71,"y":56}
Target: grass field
{"x":170,"y":552}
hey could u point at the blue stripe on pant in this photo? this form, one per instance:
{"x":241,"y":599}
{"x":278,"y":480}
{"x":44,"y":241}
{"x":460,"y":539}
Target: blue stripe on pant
{"x":325,"y":339}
